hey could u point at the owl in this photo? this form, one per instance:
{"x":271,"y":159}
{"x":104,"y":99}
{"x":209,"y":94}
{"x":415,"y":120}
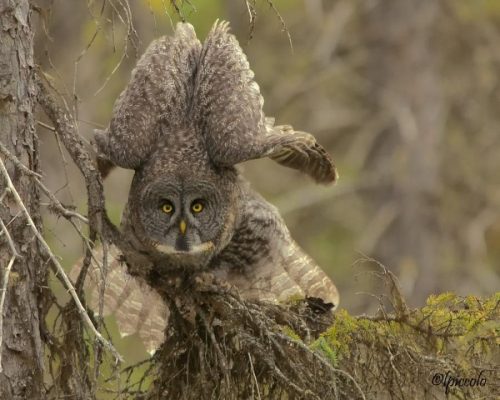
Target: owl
{"x":191,"y":112}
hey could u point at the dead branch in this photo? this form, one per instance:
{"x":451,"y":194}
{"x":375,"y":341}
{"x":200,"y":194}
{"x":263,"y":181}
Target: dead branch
{"x":57,"y":265}
{"x":66,"y":131}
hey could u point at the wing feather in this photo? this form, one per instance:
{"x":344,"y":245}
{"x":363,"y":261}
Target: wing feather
{"x":229,"y":111}
{"x":160,"y":88}
{"x":136,"y":307}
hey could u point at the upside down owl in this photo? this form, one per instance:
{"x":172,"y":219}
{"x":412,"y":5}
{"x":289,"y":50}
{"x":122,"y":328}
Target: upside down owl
{"x":190,"y":113}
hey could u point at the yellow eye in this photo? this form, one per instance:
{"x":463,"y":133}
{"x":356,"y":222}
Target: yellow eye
{"x":167,"y":208}
{"x":197,"y":207}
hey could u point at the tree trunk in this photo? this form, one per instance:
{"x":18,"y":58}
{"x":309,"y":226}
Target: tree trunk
{"x":406,"y":86}
{"x":22,"y":347}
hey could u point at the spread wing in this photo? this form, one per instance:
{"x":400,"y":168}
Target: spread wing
{"x":281,"y":271}
{"x":136,"y":307}
{"x":160,"y":87}
{"x":314,"y":282}
{"x":293,"y":276}
{"x":228,"y":107}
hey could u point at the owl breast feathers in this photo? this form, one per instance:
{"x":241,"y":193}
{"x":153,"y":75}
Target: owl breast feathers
{"x":189,"y":114}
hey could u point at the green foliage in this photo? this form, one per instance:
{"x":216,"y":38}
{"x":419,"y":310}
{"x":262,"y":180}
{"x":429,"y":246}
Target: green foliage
{"x":339,"y":336}
{"x":450,"y":334}
{"x":326,"y":348}
{"x":291,"y":333}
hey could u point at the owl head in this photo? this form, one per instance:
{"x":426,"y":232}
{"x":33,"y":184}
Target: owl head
{"x":182,"y":207}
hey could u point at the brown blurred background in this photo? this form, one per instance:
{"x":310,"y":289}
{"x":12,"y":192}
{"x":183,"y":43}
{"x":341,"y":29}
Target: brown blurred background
{"x":404,"y":94}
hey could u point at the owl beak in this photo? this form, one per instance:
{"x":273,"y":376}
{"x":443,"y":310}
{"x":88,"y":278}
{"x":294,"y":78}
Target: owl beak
{"x":182,"y":226}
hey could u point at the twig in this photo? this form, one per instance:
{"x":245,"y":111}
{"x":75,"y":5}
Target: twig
{"x":2,"y":301}
{"x":252,"y":16}
{"x":66,"y":130}
{"x":58,"y":266}
{"x":378,"y":226}
{"x":92,"y":123}
{"x":5,"y":281}
{"x":283,"y":23}
{"x":254,"y":376}
{"x":16,"y":161}
{"x":131,"y":32}
{"x":178,"y":10}
{"x":57,"y":205}
{"x":287,"y":382}
{"x":155,"y":23}
{"x":308,"y":197}
{"x":215,"y":344}
{"x":9,"y":239}
{"x":322,"y":361}
{"x":43,"y":125}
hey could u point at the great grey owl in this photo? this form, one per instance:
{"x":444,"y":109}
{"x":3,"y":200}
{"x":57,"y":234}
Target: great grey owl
{"x":190,"y":113}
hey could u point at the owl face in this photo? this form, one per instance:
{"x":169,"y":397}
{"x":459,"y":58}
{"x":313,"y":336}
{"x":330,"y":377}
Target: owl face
{"x":186,"y":218}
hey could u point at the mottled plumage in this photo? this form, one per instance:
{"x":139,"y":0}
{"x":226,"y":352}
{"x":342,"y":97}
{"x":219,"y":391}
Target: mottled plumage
{"x":190,"y":113}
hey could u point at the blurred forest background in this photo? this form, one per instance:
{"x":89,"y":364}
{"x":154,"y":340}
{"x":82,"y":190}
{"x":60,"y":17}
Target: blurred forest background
{"x":404,"y":94}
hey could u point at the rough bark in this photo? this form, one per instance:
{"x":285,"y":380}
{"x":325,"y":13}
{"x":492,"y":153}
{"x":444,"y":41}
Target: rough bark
{"x":22,"y":348}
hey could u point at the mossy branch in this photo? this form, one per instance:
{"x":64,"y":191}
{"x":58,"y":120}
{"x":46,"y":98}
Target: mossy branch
{"x":221,"y":346}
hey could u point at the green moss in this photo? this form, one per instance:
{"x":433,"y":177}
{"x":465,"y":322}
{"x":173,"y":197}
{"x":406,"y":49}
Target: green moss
{"x":291,"y":333}
{"x":339,"y":336}
{"x":327,"y":349}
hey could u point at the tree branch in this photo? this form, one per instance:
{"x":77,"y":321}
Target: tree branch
{"x":57,"y":265}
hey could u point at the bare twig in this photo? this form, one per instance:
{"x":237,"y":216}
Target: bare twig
{"x":309,"y":196}
{"x":9,"y":239}
{"x":216,"y":346}
{"x":44,"y":125}
{"x":5,"y":281}
{"x":2,"y":301}
{"x":252,"y":16}
{"x":322,"y":361}
{"x":131,"y":34}
{"x":56,"y":204}
{"x":254,"y":376}
{"x":16,"y":162}
{"x":283,"y":23}
{"x":178,"y":10}
{"x":377,"y":226}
